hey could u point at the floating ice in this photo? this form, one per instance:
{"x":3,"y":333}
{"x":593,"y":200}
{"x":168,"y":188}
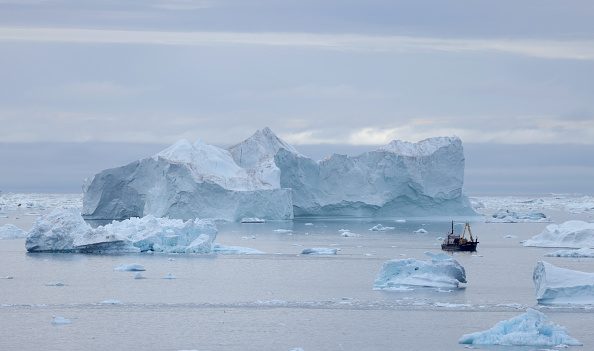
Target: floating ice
{"x":308,"y":223}
{"x":139,"y":275}
{"x":111,"y":302}
{"x":380,"y":228}
{"x":532,"y":328}
{"x":560,"y":286}
{"x":441,"y":272}
{"x":64,"y":230}
{"x":132,"y":267}
{"x":571,"y":234}
{"x":169,"y":276}
{"x":349,"y":234}
{"x":320,"y":251}
{"x":267,"y":178}
{"x":55,"y":284}
{"x":285,"y":231}
{"x":584,"y":252}
{"x":507,"y":216}
{"x":253,"y":220}
{"x":11,"y":231}
{"x":421,"y":231}
{"x":234,"y":250}
{"x":59,"y":320}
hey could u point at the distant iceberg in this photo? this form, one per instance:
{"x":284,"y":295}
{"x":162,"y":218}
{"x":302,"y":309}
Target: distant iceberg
{"x":10,"y":231}
{"x":507,"y":216}
{"x":234,"y":250}
{"x":532,"y":328}
{"x":560,"y":286}
{"x":264,"y":177}
{"x":64,"y":230}
{"x":571,"y":234}
{"x":320,"y":251}
{"x":441,"y":271}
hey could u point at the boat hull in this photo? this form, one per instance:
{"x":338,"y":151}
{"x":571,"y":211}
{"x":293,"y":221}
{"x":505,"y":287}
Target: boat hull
{"x":470,"y":246}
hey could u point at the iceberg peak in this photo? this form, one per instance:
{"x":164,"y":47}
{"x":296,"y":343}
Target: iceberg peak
{"x":261,"y":147}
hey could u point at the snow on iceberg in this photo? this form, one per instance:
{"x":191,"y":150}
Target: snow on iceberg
{"x":11,"y":231}
{"x":267,"y":178}
{"x":571,"y":234}
{"x":560,"y":286}
{"x":64,"y":230}
{"x":507,"y":216}
{"x":441,"y":271}
{"x":531,"y":328}
{"x":584,"y":252}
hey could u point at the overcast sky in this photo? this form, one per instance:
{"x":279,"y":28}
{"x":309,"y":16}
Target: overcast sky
{"x":498,"y":73}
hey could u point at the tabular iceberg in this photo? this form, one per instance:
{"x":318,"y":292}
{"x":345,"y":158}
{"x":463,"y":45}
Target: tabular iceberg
{"x":64,"y":230}
{"x":560,"y":286}
{"x":267,"y":178}
{"x":532,"y":328}
{"x":584,"y":252}
{"x":441,"y":272}
{"x":571,"y":234}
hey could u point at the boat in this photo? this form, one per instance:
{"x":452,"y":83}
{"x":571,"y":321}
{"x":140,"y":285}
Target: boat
{"x":454,"y":242}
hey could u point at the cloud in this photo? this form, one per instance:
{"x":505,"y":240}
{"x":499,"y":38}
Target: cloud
{"x":545,"y":49}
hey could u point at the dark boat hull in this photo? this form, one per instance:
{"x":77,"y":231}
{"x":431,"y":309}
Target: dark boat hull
{"x":470,"y":246}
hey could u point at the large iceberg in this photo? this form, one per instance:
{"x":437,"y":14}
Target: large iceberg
{"x":64,"y":230}
{"x":532,"y":328}
{"x":571,"y":234}
{"x":267,"y":178}
{"x":441,"y":272}
{"x":560,"y":286}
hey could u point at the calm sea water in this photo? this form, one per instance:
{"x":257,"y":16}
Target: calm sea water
{"x":279,"y":300}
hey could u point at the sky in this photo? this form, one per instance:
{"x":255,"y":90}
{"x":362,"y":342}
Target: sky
{"x":121,"y":79}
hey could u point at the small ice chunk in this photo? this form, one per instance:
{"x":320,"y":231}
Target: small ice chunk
{"x":532,"y":328}
{"x":380,"y":228}
{"x":111,"y":302}
{"x":308,"y":224}
{"x":7,"y":277}
{"x":348,"y":234}
{"x":280,"y":230}
{"x":421,"y":231}
{"x":400,"y":221}
{"x":132,"y":267}
{"x":234,"y":250}
{"x":507,"y":216}
{"x":253,"y":220}
{"x":55,"y":284}
{"x":59,"y":320}
{"x":320,"y":251}
{"x":510,"y":237}
{"x":169,"y":276}
{"x":139,"y":275}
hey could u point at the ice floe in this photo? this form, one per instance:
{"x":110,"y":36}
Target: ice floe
{"x":420,"y":231}
{"x":441,"y":271}
{"x":571,"y":234}
{"x":560,"y":286}
{"x":59,"y":320}
{"x":507,"y":216}
{"x":253,"y":220}
{"x":531,"y":328}
{"x":64,"y":230}
{"x":584,"y":252}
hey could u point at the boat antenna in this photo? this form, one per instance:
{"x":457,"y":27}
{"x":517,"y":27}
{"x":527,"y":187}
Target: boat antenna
{"x":452,"y":227}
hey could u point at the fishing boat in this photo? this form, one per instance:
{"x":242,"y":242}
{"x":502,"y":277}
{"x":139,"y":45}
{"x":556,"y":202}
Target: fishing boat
{"x":455,"y":242}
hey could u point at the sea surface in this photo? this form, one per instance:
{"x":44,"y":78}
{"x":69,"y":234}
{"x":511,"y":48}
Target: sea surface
{"x":279,"y":300}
